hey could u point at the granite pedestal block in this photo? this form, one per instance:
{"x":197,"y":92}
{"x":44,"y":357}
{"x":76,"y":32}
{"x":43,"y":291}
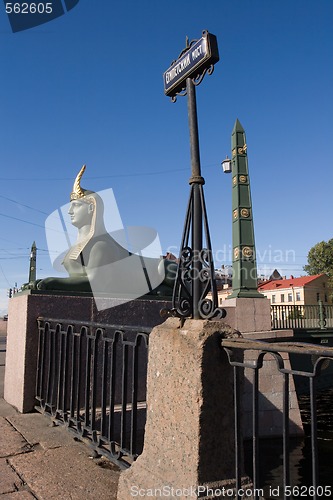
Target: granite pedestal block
{"x":189,"y":435}
{"x":248,"y":315}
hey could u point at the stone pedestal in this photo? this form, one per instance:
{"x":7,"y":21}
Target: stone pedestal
{"x":189,"y":436}
{"x":22,"y":336}
{"x":22,"y":341}
{"x":248,"y":315}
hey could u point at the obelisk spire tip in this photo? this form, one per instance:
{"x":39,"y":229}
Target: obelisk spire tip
{"x":238,"y":127}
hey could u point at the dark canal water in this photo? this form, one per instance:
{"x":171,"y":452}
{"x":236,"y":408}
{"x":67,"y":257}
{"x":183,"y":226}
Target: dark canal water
{"x":271,"y":473}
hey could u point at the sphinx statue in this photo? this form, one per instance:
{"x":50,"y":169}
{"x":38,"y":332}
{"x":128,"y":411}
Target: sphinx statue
{"x":98,"y":263}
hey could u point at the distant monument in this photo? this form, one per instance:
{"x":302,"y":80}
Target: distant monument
{"x":98,"y":263}
{"x":33,"y":258}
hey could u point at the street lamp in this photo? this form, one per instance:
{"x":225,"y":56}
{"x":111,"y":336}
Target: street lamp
{"x":226,"y":165}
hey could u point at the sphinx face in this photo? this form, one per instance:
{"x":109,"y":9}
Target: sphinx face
{"x":81,"y":213}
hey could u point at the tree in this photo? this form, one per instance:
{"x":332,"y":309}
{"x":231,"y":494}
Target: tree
{"x":320,"y":260}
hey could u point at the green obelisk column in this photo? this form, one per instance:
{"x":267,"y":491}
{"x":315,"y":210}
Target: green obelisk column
{"x":32,"y":267}
{"x":244,"y":277}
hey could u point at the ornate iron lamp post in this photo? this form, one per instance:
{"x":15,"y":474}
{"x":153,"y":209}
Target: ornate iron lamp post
{"x":195,"y":277}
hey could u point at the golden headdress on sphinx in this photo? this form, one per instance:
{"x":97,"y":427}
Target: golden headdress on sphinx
{"x":78,"y":192}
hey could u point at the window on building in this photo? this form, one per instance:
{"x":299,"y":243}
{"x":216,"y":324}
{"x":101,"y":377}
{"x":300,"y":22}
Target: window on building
{"x":290,"y":297}
{"x":325,"y":297}
{"x":282,"y":297}
{"x":298,"y":296}
{"x":273,"y":299}
{"x":318,"y":296}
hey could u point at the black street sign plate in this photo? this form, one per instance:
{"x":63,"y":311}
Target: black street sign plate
{"x":199,"y":56}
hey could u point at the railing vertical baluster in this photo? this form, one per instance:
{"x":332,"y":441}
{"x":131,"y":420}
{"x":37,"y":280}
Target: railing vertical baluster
{"x":72,"y":379}
{"x":50,"y":368}
{"x":238,"y":441}
{"x":123,"y":423}
{"x":104,"y":389}
{"x":94,"y":384}
{"x":327,"y":315}
{"x":66,"y":368}
{"x":299,"y":317}
{"x":75,"y":374}
{"x":314,"y":445}
{"x":41,"y":362}
{"x":113,"y":368}
{"x":255,"y":429}
{"x":328,"y":311}
{"x":281,"y":317}
{"x":78,"y":380}
{"x":315,"y":315}
{"x":60,"y":370}
{"x":134,"y":402}
{"x":285,"y":432}
{"x":87,"y":380}
{"x":55,"y":381}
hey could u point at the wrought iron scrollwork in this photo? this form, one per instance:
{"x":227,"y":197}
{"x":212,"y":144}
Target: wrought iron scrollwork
{"x":208,"y":308}
{"x":183,"y":284}
{"x":182,"y":92}
{"x":196,"y":266}
{"x":196,"y":81}
{"x":198,"y":78}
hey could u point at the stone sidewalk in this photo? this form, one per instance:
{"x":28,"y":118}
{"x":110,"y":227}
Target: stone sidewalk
{"x":39,"y":460}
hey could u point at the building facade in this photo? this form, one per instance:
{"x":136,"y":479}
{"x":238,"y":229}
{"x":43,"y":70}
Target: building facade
{"x":306,"y":290}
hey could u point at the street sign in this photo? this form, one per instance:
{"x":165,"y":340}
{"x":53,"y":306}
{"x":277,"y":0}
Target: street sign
{"x":198,"y":57}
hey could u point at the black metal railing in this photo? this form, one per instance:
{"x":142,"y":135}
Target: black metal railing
{"x":314,"y":359}
{"x":92,"y":378}
{"x":302,"y":317}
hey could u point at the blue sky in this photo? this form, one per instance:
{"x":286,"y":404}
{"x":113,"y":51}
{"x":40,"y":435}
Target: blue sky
{"x":87,"y":88}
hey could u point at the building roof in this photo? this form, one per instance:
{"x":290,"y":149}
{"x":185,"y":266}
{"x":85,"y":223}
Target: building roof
{"x":288,"y":283}
{"x":275,"y":275}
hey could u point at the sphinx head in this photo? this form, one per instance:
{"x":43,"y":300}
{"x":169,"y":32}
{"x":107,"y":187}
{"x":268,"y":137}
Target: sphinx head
{"x":86,"y":207}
